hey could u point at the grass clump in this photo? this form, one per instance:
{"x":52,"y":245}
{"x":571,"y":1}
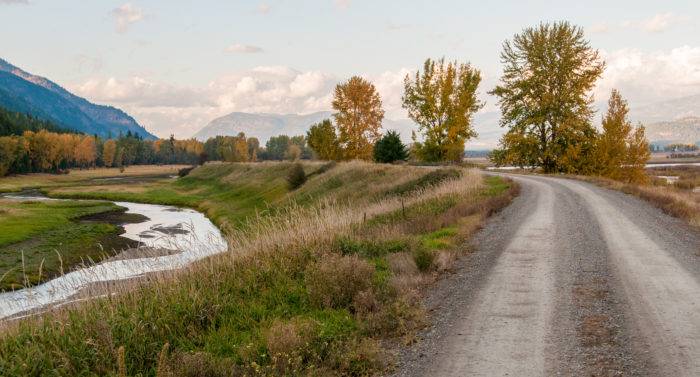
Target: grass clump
{"x":433,"y":178}
{"x":296,"y":176}
{"x":334,"y":280}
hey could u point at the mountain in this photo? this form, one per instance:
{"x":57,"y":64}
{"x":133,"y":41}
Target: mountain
{"x":23,"y":92}
{"x":262,"y":126}
{"x":665,"y":111}
{"x":684,"y":130}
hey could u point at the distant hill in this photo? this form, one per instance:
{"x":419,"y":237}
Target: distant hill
{"x":685,"y":130}
{"x":23,"y":92}
{"x":665,"y":111}
{"x":262,"y":126}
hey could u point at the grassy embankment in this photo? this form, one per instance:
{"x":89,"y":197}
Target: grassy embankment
{"x":318,"y":279}
{"x":679,"y":199}
{"x":40,"y":240}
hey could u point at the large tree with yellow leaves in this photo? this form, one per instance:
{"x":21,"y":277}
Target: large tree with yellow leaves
{"x":545,"y":97}
{"x":358,"y":117}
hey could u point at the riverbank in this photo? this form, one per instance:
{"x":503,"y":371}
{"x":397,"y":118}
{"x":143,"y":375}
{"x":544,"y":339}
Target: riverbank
{"x":321,"y":279}
{"x":40,"y":240}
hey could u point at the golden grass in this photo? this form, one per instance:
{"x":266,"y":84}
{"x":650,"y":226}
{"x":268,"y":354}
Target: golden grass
{"x":18,"y":182}
{"x":676,"y":202}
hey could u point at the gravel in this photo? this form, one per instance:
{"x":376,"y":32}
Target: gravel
{"x":570,"y":279}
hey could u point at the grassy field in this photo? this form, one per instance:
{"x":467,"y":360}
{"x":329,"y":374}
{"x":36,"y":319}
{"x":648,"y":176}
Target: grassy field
{"x":42,"y":239}
{"x":86,"y":176}
{"x":317,"y":282}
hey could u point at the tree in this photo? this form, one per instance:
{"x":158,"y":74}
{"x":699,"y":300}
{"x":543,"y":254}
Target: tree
{"x":442,"y":100}
{"x":544,"y":95}
{"x":323,"y":140}
{"x":358,"y":117}
{"x":109,"y":152}
{"x":389,"y":148}
{"x":621,"y":150}
{"x":277,"y":146}
{"x":85,"y":152}
{"x":253,"y":148}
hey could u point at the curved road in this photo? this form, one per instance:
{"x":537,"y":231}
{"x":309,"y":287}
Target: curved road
{"x":570,"y":279}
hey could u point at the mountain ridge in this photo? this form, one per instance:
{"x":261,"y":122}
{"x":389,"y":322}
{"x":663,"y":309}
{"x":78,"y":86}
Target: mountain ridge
{"x":38,"y":96}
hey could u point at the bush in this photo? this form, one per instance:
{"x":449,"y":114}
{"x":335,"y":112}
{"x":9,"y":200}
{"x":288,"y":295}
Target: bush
{"x":287,"y":341}
{"x":184,"y":171}
{"x":334,"y":280}
{"x":423,"y":258}
{"x":296,"y":177}
{"x":389,"y":148}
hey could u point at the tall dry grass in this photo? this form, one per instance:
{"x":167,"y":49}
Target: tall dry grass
{"x":270,"y":305}
{"x":676,"y":202}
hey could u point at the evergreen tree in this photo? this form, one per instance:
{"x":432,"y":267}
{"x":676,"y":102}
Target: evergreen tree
{"x":389,"y":148}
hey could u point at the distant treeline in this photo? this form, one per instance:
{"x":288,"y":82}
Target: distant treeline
{"x":30,"y":145}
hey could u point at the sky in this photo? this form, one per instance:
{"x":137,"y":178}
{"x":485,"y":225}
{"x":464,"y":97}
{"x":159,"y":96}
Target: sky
{"x":175,"y":65}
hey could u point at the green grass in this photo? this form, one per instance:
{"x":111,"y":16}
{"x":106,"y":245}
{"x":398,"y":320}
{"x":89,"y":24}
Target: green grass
{"x":439,"y":239}
{"x":40,"y":239}
{"x":233,"y":314}
{"x":495,"y":185}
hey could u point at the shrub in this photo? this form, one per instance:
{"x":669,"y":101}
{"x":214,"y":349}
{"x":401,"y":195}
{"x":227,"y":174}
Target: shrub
{"x":389,"y":148}
{"x":296,"y":176}
{"x":184,"y":171}
{"x":423,"y":258}
{"x":287,"y":341}
{"x":334,"y":280}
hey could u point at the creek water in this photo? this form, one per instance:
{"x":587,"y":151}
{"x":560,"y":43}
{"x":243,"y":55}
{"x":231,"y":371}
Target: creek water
{"x":187,"y":232}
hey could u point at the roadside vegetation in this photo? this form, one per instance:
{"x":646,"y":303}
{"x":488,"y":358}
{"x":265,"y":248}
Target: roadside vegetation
{"x":319,"y":280}
{"x":680,"y":198}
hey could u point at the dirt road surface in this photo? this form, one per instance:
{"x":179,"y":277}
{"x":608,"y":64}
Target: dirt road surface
{"x":571,"y":279}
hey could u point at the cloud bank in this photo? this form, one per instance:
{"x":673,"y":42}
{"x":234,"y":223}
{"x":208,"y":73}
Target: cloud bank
{"x":642,"y":77}
{"x":126,"y":15}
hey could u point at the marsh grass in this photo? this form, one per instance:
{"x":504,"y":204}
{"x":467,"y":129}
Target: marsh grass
{"x":312,"y":285}
{"x":681,"y":203}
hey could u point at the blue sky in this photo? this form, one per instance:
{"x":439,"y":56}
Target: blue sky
{"x":175,"y":65}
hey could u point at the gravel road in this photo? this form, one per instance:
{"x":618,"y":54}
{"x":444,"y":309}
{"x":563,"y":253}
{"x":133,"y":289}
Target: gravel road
{"x":570,"y":279}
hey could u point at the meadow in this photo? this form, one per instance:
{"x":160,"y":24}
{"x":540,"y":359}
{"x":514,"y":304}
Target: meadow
{"x":43,"y":239}
{"x":319,"y":280}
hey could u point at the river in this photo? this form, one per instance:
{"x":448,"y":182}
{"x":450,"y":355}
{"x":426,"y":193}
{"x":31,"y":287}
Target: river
{"x":188,"y":233}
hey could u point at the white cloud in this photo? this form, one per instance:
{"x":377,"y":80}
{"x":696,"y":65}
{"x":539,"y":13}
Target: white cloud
{"x":390,"y":85}
{"x":263,"y":8}
{"x":8,"y":2}
{"x":645,"y":77}
{"x":126,"y":15}
{"x":243,"y":49}
{"x":659,"y":22}
{"x":164,"y":108}
{"x":139,"y":92}
{"x":656,"y":24}
{"x":343,"y":4}
{"x":600,"y":28}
